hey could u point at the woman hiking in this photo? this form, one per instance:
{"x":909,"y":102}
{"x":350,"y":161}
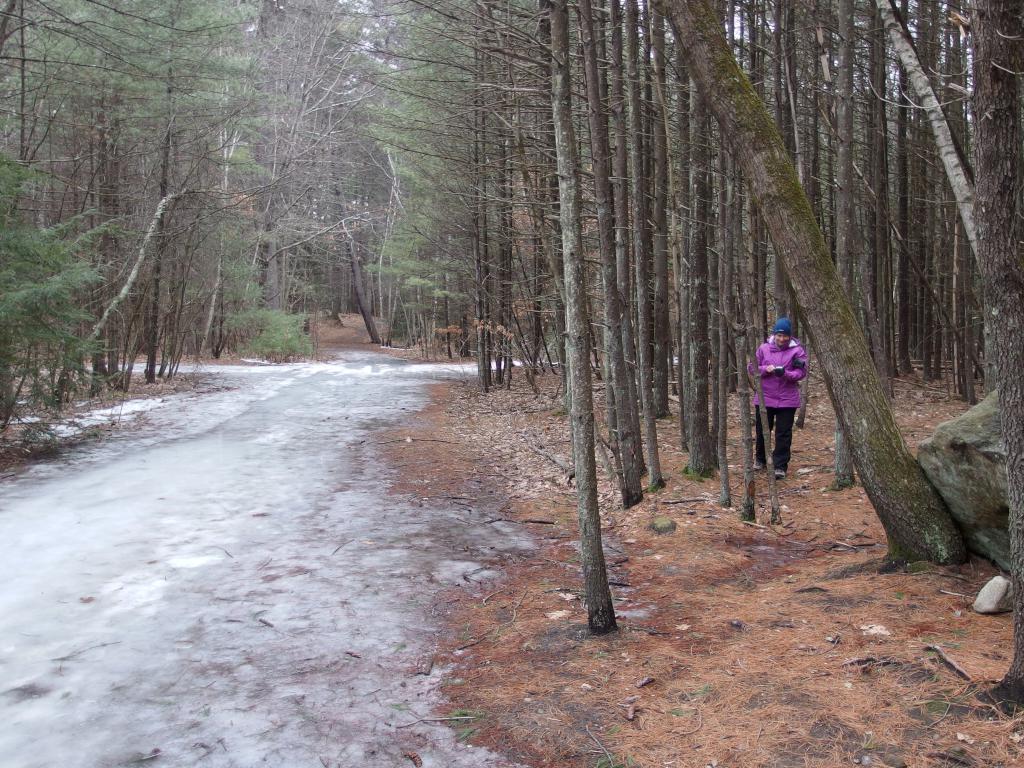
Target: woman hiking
{"x":781,"y":364}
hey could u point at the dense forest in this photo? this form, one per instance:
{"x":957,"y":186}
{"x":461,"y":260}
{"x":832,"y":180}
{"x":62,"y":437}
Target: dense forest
{"x":625,"y":194}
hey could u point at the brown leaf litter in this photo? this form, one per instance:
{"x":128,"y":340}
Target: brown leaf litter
{"x":739,"y":645}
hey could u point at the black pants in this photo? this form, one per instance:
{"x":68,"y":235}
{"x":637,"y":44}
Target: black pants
{"x":780,"y":420}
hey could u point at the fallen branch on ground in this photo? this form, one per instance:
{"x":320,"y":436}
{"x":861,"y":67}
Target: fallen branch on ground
{"x":960,"y":671}
{"x":553,"y":459}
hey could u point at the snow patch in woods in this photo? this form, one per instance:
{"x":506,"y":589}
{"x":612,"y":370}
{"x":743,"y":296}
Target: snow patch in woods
{"x":123,"y":411}
{"x":229,"y":584}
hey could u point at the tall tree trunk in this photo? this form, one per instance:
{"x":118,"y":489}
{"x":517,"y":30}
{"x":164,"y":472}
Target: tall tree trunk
{"x":846,"y":235}
{"x":702,"y":459}
{"x":480,"y":228}
{"x":360,"y":291}
{"x":153,"y":317}
{"x":659,"y":218}
{"x":903,"y":277}
{"x":600,"y":613}
{"x":630,"y":482}
{"x":641,"y":257}
{"x":876,"y":257}
{"x":914,"y":516}
{"x":725,"y":315}
{"x":620,"y":193}
{"x":998,"y":62}
{"x":682,"y":255}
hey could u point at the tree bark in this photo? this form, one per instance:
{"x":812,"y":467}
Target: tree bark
{"x":659,"y":219}
{"x":630,"y":481}
{"x":702,"y":458}
{"x":153,"y":316}
{"x":600,"y":613}
{"x":360,"y":291}
{"x":845,"y":222}
{"x":915,"y":518}
{"x":998,"y":61}
{"x":623,"y":271}
{"x":640,"y":255}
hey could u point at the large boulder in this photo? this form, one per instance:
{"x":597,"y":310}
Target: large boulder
{"x":966,"y":462}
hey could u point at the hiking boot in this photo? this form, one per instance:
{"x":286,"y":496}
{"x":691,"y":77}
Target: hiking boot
{"x":780,"y":474}
{"x":758,"y":466}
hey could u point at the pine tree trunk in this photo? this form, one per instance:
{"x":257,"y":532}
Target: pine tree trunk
{"x":640,"y":254}
{"x":623,"y":267}
{"x":702,"y":447}
{"x":600,"y":613}
{"x":630,"y":482}
{"x":998,"y":61}
{"x":845,"y":224}
{"x":659,"y":219}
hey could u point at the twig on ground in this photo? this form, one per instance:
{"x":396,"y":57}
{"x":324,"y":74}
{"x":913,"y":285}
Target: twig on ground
{"x":700,"y":724}
{"x":873,"y":661}
{"x":607,"y":754}
{"x":76,"y":654}
{"x":841,"y":544}
{"x":960,"y":671}
{"x":521,"y":522}
{"x":437,"y":720}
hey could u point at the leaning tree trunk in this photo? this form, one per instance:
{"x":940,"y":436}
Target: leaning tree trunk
{"x":151,"y":232}
{"x":998,"y":59}
{"x":949,"y":151}
{"x":914,"y":516}
{"x":360,"y":291}
{"x":600,"y":613}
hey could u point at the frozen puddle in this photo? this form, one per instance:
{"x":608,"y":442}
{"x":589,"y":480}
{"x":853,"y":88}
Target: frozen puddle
{"x":231,"y":585}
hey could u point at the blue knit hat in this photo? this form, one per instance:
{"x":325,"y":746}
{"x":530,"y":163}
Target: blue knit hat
{"x":782,"y":325}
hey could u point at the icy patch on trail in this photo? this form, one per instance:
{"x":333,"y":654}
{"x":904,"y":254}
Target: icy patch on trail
{"x":229,"y":585}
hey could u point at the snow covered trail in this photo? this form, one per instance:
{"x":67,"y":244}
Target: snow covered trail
{"x":231,"y":585}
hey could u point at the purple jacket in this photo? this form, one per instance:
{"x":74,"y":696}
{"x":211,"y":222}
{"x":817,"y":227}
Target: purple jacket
{"x":781,"y":391}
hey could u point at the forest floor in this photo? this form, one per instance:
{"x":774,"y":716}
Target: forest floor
{"x":738,"y":645}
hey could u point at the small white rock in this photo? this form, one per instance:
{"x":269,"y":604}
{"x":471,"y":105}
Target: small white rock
{"x":995,"y":597}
